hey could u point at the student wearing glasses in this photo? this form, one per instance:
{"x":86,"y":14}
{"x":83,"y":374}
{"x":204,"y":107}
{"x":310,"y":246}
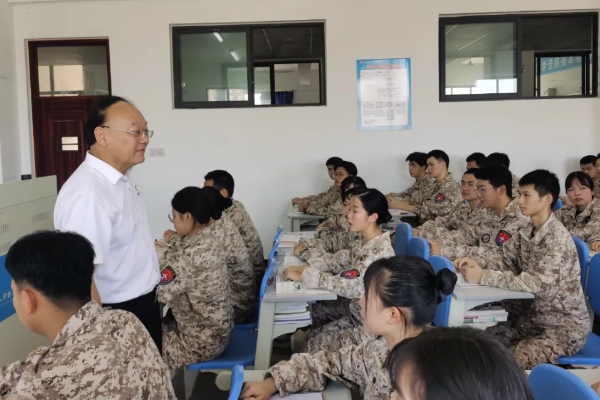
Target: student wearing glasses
{"x":101,"y":202}
{"x":331,"y":205}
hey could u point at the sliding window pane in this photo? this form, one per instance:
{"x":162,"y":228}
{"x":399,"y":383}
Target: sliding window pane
{"x":481,"y":55}
{"x":262,"y":86}
{"x":213,"y":67}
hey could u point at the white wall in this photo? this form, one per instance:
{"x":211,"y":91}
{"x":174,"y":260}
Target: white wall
{"x":277,"y":153}
{"x":9,"y":132}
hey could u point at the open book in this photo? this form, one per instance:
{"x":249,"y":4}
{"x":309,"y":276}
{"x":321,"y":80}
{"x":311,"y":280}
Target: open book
{"x":288,"y":287}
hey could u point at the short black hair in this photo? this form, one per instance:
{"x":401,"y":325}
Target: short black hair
{"x":418,"y":157}
{"x":544,"y":182}
{"x":588,"y":160}
{"x":440,"y":156}
{"x":348,"y":166}
{"x":374,"y":201}
{"x":333,"y":161}
{"x":477,"y":158}
{"x":202,"y":203}
{"x":221,"y":180}
{"x":583,"y":178}
{"x":498,"y":175}
{"x":458,"y":363}
{"x":60,"y":265}
{"x":471,"y":171}
{"x":498,"y":158}
{"x":97,"y":116}
{"x":354,"y":181}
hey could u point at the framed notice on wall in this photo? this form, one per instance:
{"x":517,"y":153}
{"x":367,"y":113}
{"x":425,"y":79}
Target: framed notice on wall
{"x":384,"y":94}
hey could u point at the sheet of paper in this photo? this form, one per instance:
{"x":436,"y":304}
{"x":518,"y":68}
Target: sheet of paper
{"x":291,"y":260}
{"x":299,"y":396}
{"x":462,"y":283}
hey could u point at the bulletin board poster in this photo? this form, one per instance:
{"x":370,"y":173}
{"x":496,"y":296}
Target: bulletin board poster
{"x":384,"y":98}
{"x":6,"y":305}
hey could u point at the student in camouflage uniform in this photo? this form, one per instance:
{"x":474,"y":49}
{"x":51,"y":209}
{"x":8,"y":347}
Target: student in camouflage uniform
{"x":330,"y":164}
{"x":456,"y":363}
{"x":475,"y":160}
{"x":340,"y":272}
{"x":419,"y":191}
{"x":331,"y":204}
{"x":583,"y":218}
{"x":444,"y":194}
{"x":95,"y":353}
{"x":541,"y":259}
{"x":401,"y":295}
{"x":495,"y":227}
{"x":502,"y":159}
{"x":589,"y":165}
{"x":470,"y":209}
{"x":237,"y":213}
{"x":194,"y":282}
{"x":338,"y":221}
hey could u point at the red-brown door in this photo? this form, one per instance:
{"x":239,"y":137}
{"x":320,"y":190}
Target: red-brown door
{"x":67,"y":78}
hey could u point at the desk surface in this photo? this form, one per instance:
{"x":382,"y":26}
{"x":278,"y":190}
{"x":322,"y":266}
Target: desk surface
{"x":488,"y":293}
{"x":333,"y":390}
{"x":296,"y":215}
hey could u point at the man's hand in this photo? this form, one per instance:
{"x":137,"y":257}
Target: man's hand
{"x":470,"y":269}
{"x":259,"y":390}
{"x":435,"y":248}
{"x":297,"y":200}
{"x":299,"y":248}
{"x":595,"y":246}
{"x":294,"y":273}
{"x":169,"y":233}
{"x":415,"y":232}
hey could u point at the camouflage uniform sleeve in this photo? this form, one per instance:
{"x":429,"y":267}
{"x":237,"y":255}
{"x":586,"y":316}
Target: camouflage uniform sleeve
{"x":320,"y":207}
{"x":251,"y":238}
{"x":454,"y":243}
{"x":503,"y":258}
{"x":175,"y":276}
{"x":348,"y":283}
{"x":310,"y":372}
{"x":441,"y":203}
{"x":334,"y":263}
{"x":590,"y":232}
{"x":9,"y":376}
{"x":406,"y":195}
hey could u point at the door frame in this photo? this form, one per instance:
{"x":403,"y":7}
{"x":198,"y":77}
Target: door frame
{"x":34,"y":90}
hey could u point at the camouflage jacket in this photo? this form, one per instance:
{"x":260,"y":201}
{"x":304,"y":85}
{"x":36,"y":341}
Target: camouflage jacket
{"x":487,"y":233}
{"x":239,"y":216}
{"x":194,"y":284}
{"x":330,"y":240}
{"x":417,"y":193}
{"x":335,"y":222}
{"x":318,"y":197}
{"x":451,"y":222}
{"x":585,"y":225}
{"x":242,"y":289}
{"x":544,"y":263}
{"x":329,"y":204}
{"x":442,"y":198}
{"x":342,"y":272}
{"x":360,"y":366}
{"x":98,"y":354}
{"x":515,"y":186}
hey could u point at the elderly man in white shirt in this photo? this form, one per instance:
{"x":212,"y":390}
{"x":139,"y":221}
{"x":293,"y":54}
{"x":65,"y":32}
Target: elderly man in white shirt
{"x":101,"y":202}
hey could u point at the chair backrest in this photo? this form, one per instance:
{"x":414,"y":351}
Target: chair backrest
{"x":593,"y":283}
{"x":279,"y":232}
{"x":558,"y":205}
{"x":403,"y":235}
{"x":237,"y":381}
{"x":442,"y":312}
{"x":274,"y":249}
{"x":418,"y":247}
{"x":267,"y":278}
{"x":583,"y":252}
{"x":549,"y":382}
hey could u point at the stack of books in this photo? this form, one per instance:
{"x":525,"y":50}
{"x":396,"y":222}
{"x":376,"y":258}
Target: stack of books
{"x":493,"y":314}
{"x":295,"y":313}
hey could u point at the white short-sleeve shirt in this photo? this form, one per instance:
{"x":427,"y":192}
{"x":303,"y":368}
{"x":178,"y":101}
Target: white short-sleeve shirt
{"x":106,"y":207}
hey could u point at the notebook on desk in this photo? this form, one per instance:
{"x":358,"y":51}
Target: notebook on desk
{"x":290,"y":239}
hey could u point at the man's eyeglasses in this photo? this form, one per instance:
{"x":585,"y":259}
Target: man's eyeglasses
{"x":146,"y":132}
{"x":470,"y":185}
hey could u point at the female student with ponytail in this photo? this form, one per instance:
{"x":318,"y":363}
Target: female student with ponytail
{"x":401,"y":296}
{"x":341,"y":273}
{"x":194,"y":283}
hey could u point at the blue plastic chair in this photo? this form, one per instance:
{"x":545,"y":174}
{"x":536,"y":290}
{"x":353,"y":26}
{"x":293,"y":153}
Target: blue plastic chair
{"x":442,"y":312}
{"x":237,"y":382}
{"x":549,"y":382}
{"x":418,"y":247}
{"x":583,"y":252}
{"x":590,"y":354}
{"x":403,"y":236}
{"x":241,"y":350}
{"x":253,"y":324}
{"x":558,"y":205}
{"x":274,"y":249}
{"x":279,"y":232}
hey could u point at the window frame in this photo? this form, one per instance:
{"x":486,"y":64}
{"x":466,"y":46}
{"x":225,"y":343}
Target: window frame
{"x":178,"y":30}
{"x":517,"y":19}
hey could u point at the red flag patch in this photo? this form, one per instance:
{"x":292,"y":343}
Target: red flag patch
{"x":502,"y":238}
{"x":350,"y":274}
{"x":167,"y":275}
{"x":439,"y":198}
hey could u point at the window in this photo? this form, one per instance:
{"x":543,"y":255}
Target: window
{"x":249,"y":65}
{"x":518,"y":56}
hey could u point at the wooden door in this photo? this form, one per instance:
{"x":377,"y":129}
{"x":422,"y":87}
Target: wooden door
{"x":67,"y":78}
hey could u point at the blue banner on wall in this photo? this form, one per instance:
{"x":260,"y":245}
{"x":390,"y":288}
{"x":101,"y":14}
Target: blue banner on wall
{"x":550,"y":65}
{"x":6,"y":294}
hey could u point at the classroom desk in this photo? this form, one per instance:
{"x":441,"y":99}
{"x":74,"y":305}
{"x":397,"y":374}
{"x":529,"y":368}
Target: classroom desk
{"x":270,"y":304}
{"x":463,"y":299}
{"x":298,"y":219}
{"x":333,"y":390}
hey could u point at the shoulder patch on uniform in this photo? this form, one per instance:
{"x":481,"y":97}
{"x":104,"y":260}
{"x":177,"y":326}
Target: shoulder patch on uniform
{"x":502,"y":238}
{"x":167,"y":275}
{"x":439,"y":198}
{"x":485,"y":238}
{"x":350,"y":274}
